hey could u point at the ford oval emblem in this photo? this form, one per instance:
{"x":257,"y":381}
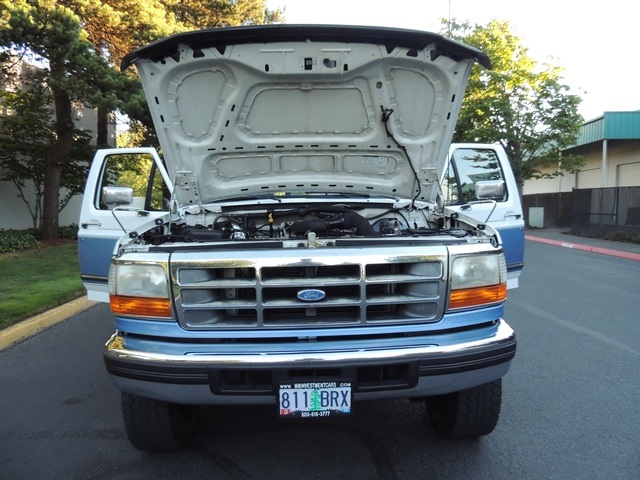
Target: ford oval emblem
{"x":311,"y":295}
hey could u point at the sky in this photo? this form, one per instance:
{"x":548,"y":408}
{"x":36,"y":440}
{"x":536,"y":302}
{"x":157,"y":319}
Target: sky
{"x":595,"y":43}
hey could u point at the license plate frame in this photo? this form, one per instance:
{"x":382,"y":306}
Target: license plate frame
{"x":315,"y":399}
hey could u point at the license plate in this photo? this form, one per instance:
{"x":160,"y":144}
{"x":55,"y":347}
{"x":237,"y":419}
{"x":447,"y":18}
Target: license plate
{"x":314,"y":399}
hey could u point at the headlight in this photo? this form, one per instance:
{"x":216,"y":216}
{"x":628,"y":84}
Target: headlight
{"x":138,"y":280}
{"x":478,"y":280}
{"x":139,"y":290}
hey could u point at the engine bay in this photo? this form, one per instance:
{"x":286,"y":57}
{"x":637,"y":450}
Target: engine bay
{"x":300,"y":222}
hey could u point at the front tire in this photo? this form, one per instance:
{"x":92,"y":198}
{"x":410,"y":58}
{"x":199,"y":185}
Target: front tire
{"x":469,"y":413}
{"x":154,"y":426}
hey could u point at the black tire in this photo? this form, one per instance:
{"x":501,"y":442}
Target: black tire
{"x":469,"y":413}
{"x":154,"y":426}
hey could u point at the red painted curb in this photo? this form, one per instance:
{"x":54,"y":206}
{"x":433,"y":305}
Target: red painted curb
{"x":586,"y":248}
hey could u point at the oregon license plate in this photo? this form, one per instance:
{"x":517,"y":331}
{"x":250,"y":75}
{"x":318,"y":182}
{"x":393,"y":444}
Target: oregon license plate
{"x":314,"y":399}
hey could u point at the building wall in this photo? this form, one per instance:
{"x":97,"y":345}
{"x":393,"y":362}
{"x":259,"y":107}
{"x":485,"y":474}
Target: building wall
{"x":564,"y":183}
{"x":625,"y":170}
{"x":621,"y":169}
{"x":14,"y":213}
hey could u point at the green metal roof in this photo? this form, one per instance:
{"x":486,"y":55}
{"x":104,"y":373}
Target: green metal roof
{"x":611,"y":126}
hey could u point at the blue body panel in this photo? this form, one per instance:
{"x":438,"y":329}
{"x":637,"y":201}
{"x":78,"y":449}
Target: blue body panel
{"x":95,"y":255}
{"x":513,"y":244}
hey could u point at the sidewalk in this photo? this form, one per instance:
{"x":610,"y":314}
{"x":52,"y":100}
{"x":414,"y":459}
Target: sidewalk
{"x":563,"y":238}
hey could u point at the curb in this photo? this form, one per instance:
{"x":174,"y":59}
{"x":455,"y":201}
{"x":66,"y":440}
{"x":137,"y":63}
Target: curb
{"x":586,"y":248}
{"x":25,"y":329}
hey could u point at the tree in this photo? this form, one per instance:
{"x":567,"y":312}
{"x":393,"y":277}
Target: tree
{"x":77,"y":44}
{"x":70,"y":69}
{"x":520,"y":103}
{"x":26,"y":135}
{"x":194,"y":14}
{"x":114,"y":31}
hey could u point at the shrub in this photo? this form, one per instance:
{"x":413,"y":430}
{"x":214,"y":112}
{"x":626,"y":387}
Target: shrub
{"x":624,"y":236}
{"x":69,"y":231}
{"x":14,"y":240}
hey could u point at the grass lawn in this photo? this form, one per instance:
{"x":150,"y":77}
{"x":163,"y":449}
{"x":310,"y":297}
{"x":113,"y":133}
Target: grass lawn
{"x":38,"y":279}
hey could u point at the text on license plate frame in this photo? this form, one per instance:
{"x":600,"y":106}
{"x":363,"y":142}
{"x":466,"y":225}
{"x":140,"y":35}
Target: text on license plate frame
{"x":315,"y":399}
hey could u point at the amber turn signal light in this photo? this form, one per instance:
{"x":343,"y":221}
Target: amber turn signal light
{"x":472,"y":297}
{"x":140,"y":306}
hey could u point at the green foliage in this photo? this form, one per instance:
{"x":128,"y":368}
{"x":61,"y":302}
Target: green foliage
{"x":76,"y":168}
{"x":15,"y":240}
{"x":67,"y":60}
{"x":135,"y":173}
{"x":520,"y":103}
{"x":135,"y":135}
{"x":27,"y":135}
{"x":624,"y":236}
{"x":69,"y":232}
{"x":193,"y":14}
{"x":115,"y":27}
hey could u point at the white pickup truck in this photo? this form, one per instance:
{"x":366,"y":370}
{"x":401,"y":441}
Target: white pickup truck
{"x":310,"y":238}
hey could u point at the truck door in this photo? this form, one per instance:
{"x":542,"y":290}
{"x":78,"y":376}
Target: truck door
{"x":109,"y":211}
{"x":479,"y":184}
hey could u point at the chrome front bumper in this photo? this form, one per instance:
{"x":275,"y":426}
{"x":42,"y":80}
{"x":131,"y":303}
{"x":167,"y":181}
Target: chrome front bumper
{"x":433,"y":369}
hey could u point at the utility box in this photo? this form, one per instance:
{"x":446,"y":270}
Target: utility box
{"x":536,"y":217}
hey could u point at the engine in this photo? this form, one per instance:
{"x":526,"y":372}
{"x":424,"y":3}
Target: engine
{"x":291,"y":224}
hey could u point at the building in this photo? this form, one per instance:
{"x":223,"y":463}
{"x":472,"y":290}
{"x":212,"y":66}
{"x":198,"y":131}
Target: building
{"x":611,"y":145}
{"x":604,"y":196}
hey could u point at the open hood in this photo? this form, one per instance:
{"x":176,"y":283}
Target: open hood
{"x":301,"y":109}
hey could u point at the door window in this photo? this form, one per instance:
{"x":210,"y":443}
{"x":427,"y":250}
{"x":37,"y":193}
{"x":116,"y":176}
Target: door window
{"x":139,"y":172}
{"x":466,"y":167}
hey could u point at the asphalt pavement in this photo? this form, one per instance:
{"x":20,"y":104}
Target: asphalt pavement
{"x":551,"y":236}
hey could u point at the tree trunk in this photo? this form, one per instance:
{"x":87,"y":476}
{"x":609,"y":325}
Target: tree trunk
{"x":54,"y":163}
{"x":102,"y":135}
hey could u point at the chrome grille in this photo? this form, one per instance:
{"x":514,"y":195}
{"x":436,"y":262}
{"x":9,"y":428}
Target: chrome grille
{"x":259,"y":289}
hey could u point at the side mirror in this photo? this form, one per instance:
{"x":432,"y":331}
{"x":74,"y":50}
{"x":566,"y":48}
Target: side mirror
{"x":490,"y":189}
{"x":114,"y":196}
